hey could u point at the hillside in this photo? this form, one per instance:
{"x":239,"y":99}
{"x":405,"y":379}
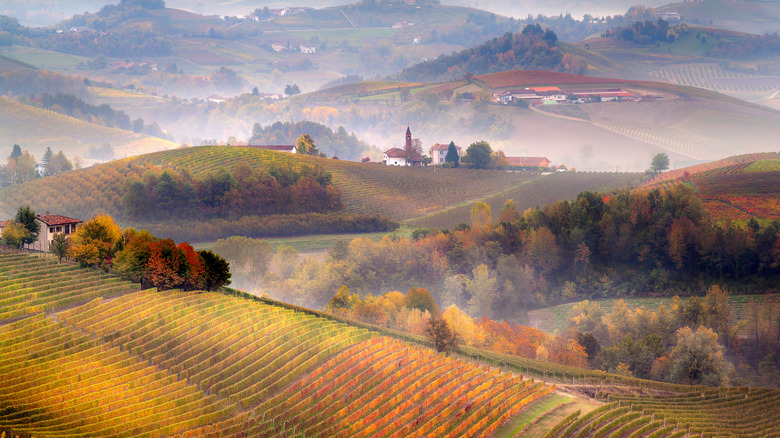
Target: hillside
{"x":121,"y":363}
{"x":399,"y":193}
{"x":35,"y":129}
{"x":737,"y":188}
{"x":235,"y":366}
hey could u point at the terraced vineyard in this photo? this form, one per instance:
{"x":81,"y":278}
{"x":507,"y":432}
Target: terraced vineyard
{"x":534,"y":193}
{"x":712,"y":76}
{"x":153,"y":363}
{"x":744,"y":412}
{"x":30,"y":285}
{"x":688,"y":148}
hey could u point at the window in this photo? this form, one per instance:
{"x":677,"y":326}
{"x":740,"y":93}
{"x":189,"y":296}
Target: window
{"x":51,"y":230}
{"x":59,"y":229}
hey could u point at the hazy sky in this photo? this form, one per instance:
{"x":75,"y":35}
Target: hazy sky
{"x":45,"y":12}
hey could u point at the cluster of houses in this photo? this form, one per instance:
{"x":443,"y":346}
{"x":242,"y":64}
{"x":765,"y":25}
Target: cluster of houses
{"x":555,"y":95}
{"x":302,"y":48}
{"x":438,"y":153}
{"x":51,"y":224}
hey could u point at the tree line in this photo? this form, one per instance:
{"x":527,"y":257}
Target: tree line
{"x":337,"y":143}
{"x":532,"y":48}
{"x":279,"y":189}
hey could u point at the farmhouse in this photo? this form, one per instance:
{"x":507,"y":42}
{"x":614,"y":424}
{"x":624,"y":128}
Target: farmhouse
{"x":307,"y":49}
{"x":278,"y":47}
{"x":602,"y":94}
{"x":438,"y":152}
{"x":527,"y":162}
{"x":51,"y":224}
{"x":394,"y":157}
{"x":503,"y":97}
{"x":276,"y":147}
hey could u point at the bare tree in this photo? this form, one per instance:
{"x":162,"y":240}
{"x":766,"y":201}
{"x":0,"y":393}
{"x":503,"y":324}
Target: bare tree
{"x":443,"y":337}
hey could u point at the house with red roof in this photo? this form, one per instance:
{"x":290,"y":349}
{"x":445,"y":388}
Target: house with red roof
{"x":51,"y":224}
{"x":527,"y":162}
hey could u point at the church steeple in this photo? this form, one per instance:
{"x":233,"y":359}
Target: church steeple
{"x":408,"y":138}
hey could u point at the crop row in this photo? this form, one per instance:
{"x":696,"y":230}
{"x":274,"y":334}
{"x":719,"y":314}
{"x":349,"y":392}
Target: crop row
{"x":60,"y":381}
{"x":738,"y":411}
{"x":384,"y":387}
{"x":535,"y":193}
{"x":714,"y":77}
{"x":30,"y":285}
{"x":712,"y":167}
{"x":690,"y":148}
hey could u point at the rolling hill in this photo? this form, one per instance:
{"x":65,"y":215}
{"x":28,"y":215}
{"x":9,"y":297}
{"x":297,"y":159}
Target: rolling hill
{"x":737,"y":188}
{"x":399,"y":193}
{"x":35,"y":129}
{"x":149,"y":363}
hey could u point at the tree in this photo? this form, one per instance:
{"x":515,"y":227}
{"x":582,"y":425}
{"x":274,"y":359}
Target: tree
{"x":478,"y":154}
{"x":14,"y":234}
{"x":439,"y":332}
{"x":16,"y":152}
{"x":95,"y":241}
{"x":452,"y":158}
{"x":481,"y":216}
{"x":659,"y":163}
{"x":28,"y":219}
{"x":482,"y":291}
{"x":305,"y":145}
{"x":60,"y":245}
{"x":217,"y":270}
{"x":420,"y":299}
{"x":46,"y":160}
{"x":697,"y":359}
{"x":292,"y":90}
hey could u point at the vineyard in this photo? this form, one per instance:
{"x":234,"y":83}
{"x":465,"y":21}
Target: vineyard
{"x":30,"y":285}
{"x":739,"y":411}
{"x":534,"y":193}
{"x":153,"y":363}
{"x":36,"y":128}
{"x":736,"y":188}
{"x":715,"y":77}
{"x":397,"y":192}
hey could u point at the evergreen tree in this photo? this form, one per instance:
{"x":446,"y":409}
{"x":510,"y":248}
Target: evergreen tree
{"x":452,"y":156}
{"x":47,"y":161}
{"x":26,"y":216}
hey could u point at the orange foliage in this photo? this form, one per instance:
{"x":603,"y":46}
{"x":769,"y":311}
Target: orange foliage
{"x":504,"y":337}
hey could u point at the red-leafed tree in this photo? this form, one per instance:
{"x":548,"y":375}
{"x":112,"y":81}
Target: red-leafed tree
{"x":167,"y":267}
{"x":196,"y":276}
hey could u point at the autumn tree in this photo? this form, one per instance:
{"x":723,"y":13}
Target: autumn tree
{"x":14,"y":234}
{"x":167,"y":267}
{"x":481,"y":216}
{"x":305,"y":145}
{"x":132,"y":260}
{"x":94,"y":242}
{"x":698,"y":359}
{"x":439,"y":332}
{"x":420,"y":299}
{"x":482,"y":291}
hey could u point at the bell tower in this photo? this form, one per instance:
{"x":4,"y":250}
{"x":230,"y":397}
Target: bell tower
{"x":408,"y":138}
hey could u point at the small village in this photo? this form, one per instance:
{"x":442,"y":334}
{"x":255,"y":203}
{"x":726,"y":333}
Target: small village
{"x":555,"y":95}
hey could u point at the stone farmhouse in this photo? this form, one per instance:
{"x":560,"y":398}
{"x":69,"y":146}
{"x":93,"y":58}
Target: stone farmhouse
{"x":51,"y":224}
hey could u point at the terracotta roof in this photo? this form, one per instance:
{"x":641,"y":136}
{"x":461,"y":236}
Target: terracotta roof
{"x":442,"y":147}
{"x":544,"y":89}
{"x":56,"y":219}
{"x":526,"y":161}
{"x":4,"y":224}
{"x":395,"y":153}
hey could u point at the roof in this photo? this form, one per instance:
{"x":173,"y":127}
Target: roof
{"x":56,"y":219}
{"x":442,"y":147}
{"x":395,"y":153}
{"x":526,"y":161}
{"x":4,"y":224}
{"x":275,"y":147}
{"x":544,"y":89}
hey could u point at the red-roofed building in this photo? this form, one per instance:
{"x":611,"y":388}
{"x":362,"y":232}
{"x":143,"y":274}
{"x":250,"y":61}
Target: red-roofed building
{"x":529,"y":161}
{"x":50,"y":225}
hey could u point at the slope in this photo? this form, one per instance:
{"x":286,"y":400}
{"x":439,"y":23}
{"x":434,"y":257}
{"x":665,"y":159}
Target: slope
{"x":740,"y":187}
{"x":160,"y":363}
{"x":35,"y":129}
{"x":399,"y":193}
